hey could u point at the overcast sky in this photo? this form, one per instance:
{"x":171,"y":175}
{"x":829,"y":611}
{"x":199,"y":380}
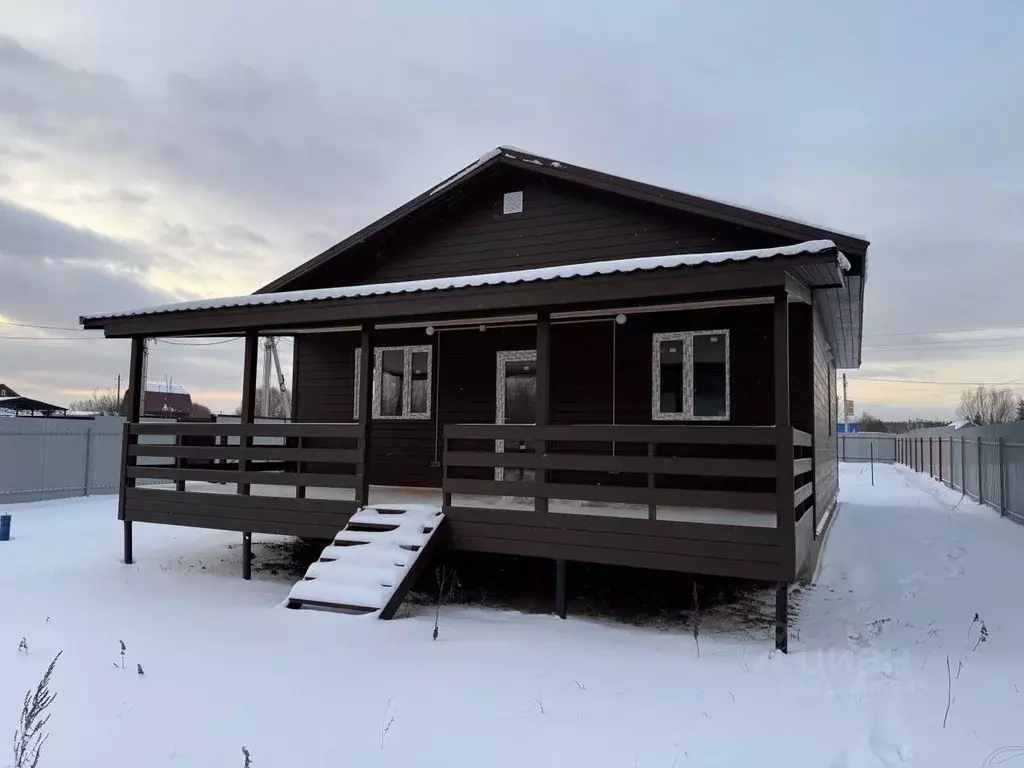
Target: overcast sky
{"x":151,"y":151}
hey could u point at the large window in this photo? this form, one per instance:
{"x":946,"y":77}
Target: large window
{"x":690,"y":376}
{"x":401,"y":383}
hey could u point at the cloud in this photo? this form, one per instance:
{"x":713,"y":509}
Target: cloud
{"x":216,"y":173}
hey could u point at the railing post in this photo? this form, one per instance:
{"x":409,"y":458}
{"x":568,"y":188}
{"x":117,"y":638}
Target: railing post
{"x":180,"y":484}
{"x":365,"y":411}
{"x":542,"y":404}
{"x":784,"y":473}
{"x":940,"y":459}
{"x":652,"y":508}
{"x":136,"y":385}
{"x":300,"y":490}
{"x":248,"y":416}
{"x":931,"y":459}
{"x":981,"y":490}
{"x":446,"y":496}
{"x":1002,"y":476}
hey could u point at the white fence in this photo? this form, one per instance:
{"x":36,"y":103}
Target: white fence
{"x":58,"y":458}
{"x":984,"y":463}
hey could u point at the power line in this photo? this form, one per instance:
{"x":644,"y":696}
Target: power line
{"x":947,"y":330}
{"x":196,"y":343}
{"x":941,"y":346}
{"x":52,"y":338}
{"x":941,"y":383}
{"x":44,"y":327}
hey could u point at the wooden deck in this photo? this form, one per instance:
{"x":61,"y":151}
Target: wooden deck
{"x":683,"y":498}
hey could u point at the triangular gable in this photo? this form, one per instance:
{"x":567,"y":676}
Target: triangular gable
{"x":440,"y":195}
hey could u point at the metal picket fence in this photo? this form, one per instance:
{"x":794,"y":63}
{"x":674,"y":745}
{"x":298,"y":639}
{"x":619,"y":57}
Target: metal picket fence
{"x":981,"y":462}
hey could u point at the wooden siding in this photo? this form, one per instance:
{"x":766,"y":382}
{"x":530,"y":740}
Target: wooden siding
{"x":826,"y":461}
{"x":561,"y":223}
{"x":720,"y":550}
{"x":584,"y":355}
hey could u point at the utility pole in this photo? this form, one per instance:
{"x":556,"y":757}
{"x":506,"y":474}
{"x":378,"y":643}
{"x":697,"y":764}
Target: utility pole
{"x":119,"y":390}
{"x":846,"y":416}
{"x":268,"y":353}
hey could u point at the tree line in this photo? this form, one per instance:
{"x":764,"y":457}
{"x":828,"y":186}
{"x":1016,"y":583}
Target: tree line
{"x":982,"y":405}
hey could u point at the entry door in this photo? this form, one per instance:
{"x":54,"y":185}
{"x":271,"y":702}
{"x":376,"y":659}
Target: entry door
{"x":515,"y":403}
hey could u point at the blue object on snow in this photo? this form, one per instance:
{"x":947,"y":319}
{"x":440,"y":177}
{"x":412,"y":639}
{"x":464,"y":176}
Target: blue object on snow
{"x":5,"y":527}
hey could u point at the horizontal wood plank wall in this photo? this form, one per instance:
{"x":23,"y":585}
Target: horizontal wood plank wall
{"x":312,"y":518}
{"x":559,"y":224}
{"x":826,"y":445}
{"x":685,"y":547}
{"x":403,"y":451}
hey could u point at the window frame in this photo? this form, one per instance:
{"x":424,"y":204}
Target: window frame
{"x":377,"y":387}
{"x":686,"y":338}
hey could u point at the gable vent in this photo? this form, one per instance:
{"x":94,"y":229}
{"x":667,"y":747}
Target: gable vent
{"x":513,"y":202}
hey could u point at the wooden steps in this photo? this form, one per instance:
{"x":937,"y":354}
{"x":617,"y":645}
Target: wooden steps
{"x":372,"y":562}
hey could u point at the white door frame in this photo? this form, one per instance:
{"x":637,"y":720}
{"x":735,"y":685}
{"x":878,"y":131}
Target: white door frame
{"x":503,"y":357}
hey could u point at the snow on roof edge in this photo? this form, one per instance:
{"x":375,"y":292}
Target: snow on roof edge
{"x":586,"y":269}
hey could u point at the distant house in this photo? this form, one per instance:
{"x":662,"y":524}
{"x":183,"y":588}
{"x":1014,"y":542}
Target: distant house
{"x":6,"y":391}
{"x":16,"y":405}
{"x":165,"y":400}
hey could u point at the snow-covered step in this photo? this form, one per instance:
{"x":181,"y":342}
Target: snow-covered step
{"x":374,"y":557}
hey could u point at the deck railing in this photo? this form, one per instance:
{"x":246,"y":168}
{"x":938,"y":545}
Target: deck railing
{"x":245,"y":454}
{"x":721,"y":467}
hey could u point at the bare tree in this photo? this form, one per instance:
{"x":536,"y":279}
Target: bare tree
{"x":987,"y":405}
{"x":278,"y":404}
{"x":105,"y":402}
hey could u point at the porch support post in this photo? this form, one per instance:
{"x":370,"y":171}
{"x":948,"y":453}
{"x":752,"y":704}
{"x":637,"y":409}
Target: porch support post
{"x":543,"y":403}
{"x":248,"y":416}
{"x":784,"y":480}
{"x":132,"y":414}
{"x":782,"y":617}
{"x":365,"y":412}
{"x":560,"y":601}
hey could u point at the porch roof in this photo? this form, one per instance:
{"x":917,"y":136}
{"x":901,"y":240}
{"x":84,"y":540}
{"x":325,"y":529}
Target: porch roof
{"x":816,"y":264}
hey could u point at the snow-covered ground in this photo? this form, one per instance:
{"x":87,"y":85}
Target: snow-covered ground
{"x":906,"y":568}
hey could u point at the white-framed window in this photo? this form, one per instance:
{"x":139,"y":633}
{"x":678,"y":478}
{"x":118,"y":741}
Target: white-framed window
{"x":690,"y":380}
{"x":401,"y":387}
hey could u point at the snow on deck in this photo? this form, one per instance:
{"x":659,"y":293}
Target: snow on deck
{"x":362,"y":569}
{"x":907,"y":566}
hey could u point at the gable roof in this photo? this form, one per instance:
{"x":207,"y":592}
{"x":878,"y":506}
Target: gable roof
{"x":854,"y":246}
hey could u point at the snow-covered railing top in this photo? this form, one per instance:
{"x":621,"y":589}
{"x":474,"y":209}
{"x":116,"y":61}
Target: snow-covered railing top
{"x":616,"y":266}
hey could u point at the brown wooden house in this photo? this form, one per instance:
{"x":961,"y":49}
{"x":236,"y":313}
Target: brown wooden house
{"x":574,"y":365}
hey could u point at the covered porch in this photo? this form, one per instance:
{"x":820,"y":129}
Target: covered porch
{"x":724,"y":488}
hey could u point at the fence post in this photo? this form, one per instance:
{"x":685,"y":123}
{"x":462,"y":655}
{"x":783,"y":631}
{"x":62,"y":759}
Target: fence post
{"x":871,"y":447}
{"x":931,"y":459}
{"x":88,"y":455}
{"x":940,"y":459}
{"x":1002,"y":476}
{"x":981,"y":492}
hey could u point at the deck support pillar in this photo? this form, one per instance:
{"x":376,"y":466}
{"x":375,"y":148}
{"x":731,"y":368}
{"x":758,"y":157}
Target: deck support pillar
{"x":246,"y":555}
{"x":782,"y":617}
{"x":542,"y":415}
{"x":128,"y":542}
{"x":560,"y":600}
{"x":365,"y":402}
{"x":133,"y":411}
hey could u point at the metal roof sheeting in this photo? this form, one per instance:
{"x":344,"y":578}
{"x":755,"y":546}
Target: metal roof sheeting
{"x":616,"y":266}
